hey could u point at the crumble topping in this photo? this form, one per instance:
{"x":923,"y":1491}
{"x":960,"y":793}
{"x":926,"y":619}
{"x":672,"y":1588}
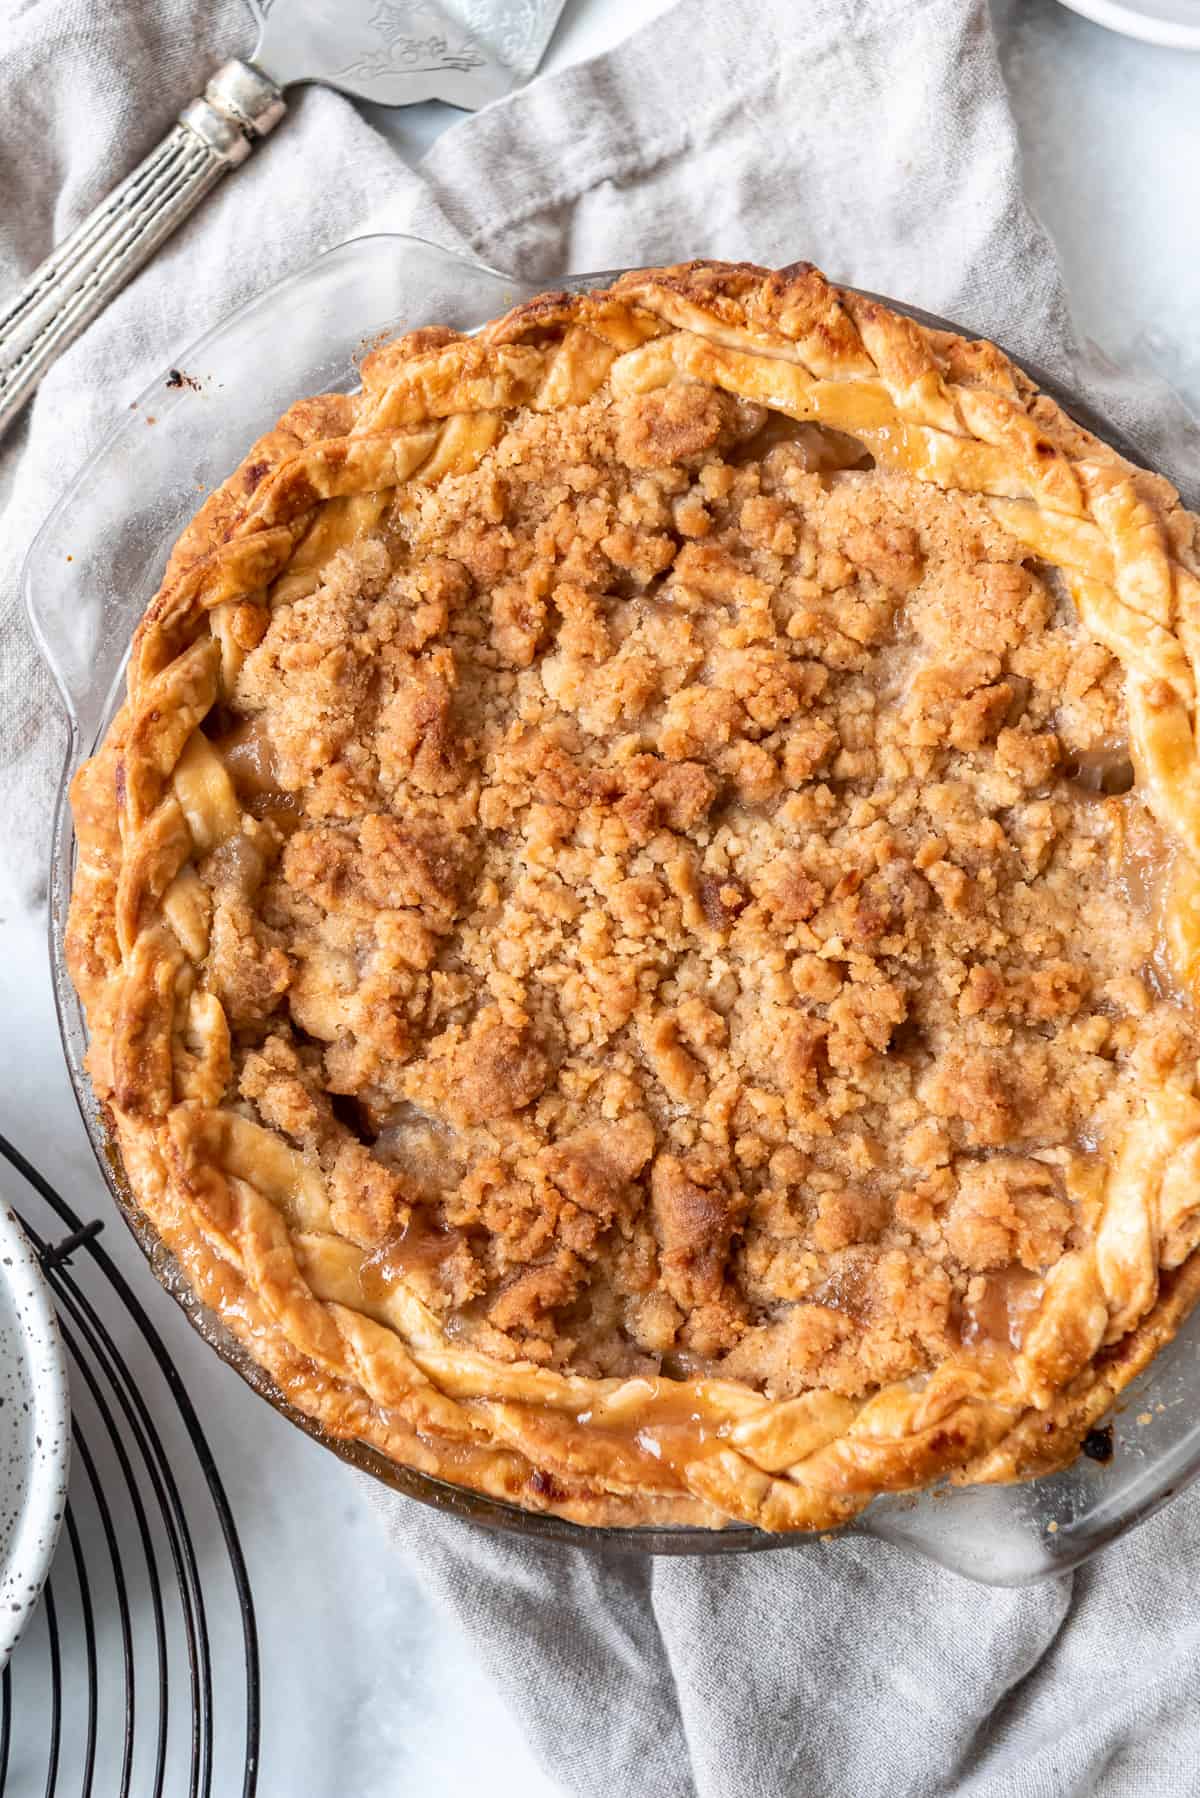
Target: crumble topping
{"x":690,"y":898}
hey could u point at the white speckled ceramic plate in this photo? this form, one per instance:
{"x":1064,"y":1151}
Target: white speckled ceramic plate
{"x":1174,"y":24}
{"x":35,"y":1431}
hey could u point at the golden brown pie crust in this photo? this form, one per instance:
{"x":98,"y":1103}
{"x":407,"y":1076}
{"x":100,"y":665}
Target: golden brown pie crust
{"x":616,"y":952}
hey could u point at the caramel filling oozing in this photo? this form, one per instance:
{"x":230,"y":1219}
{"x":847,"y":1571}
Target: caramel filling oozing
{"x":1105,"y":769}
{"x":998,"y":1306}
{"x":250,"y":762}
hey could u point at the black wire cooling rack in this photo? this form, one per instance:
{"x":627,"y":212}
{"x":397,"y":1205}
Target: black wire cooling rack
{"x":139,"y":1677}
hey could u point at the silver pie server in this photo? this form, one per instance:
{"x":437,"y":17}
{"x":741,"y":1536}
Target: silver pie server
{"x":382,"y":50}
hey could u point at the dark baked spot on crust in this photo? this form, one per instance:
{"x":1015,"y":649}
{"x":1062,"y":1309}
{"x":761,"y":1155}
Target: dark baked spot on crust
{"x":546,"y":1485}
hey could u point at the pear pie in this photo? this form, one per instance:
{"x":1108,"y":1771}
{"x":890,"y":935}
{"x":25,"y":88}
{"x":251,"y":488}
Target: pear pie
{"x":639,"y":921}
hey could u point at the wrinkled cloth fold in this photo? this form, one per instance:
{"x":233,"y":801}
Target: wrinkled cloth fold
{"x":873,"y":137}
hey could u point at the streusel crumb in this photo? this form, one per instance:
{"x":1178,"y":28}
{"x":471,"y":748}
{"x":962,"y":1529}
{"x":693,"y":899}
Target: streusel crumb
{"x":683,"y":853}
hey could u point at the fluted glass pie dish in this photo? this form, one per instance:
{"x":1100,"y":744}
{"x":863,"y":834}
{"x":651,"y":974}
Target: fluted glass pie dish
{"x":89,"y":581}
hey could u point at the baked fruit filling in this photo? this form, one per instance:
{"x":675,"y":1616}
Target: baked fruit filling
{"x":679,"y":887}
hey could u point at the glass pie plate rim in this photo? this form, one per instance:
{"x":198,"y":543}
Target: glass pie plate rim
{"x":120,"y":516}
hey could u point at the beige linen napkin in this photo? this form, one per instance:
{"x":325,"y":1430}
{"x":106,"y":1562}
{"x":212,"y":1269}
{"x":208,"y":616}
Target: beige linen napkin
{"x":874,"y":137}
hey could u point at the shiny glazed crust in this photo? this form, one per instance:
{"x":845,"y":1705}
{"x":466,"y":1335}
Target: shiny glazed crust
{"x":247,"y":1215}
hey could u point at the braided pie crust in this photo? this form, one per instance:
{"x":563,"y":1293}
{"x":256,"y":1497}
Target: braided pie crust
{"x":718,"y":1044}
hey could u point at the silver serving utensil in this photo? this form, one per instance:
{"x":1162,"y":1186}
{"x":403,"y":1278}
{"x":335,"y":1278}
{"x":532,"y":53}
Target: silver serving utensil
{"x":387,"y":51}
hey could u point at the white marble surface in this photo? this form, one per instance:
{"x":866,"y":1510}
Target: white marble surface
{"x":1110,"y":131}
{"x":366,"y":1689}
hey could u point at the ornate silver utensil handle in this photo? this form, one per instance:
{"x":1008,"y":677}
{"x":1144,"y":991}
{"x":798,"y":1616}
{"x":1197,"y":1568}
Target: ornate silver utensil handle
{"x":80,"y":277}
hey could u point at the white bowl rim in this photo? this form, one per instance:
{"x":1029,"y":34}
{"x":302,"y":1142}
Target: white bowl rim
{"x":1148,"y":25}
{"x":30,"y":1548}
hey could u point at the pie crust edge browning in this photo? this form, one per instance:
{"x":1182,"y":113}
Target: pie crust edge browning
{"x":240,"y":1208}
